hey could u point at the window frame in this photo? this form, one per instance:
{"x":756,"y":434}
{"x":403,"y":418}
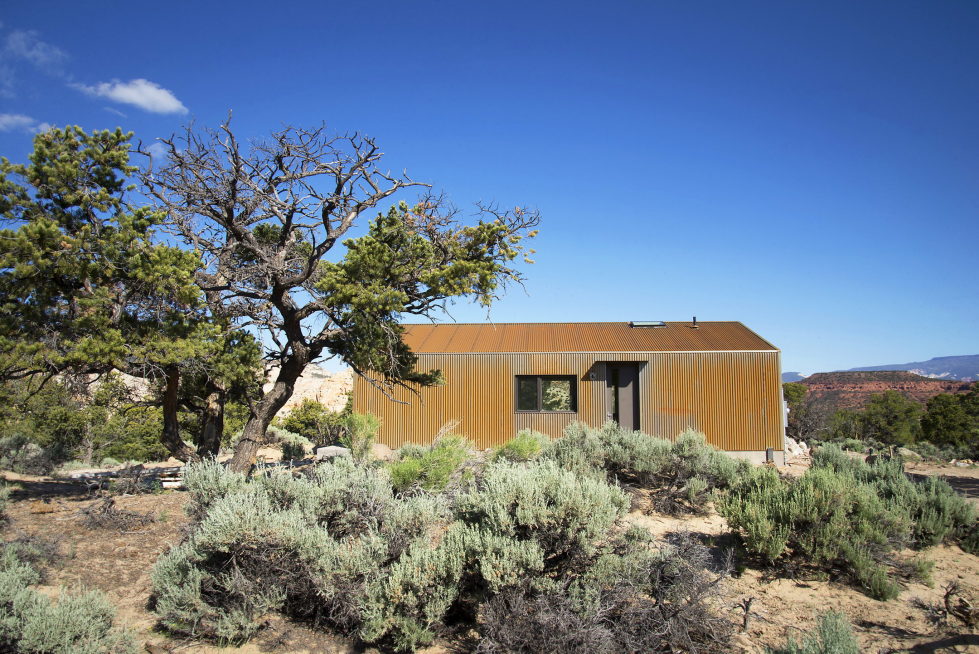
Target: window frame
{"x":540,"y":379}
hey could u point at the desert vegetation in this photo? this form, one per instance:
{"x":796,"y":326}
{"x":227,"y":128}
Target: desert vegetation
{"x":849,"y":518}
{"x":438,"y":542}
{"x":537,"y":545}
{"x":528,"y":547}
{"x":944,"y":428}
{"x":78,"y":622}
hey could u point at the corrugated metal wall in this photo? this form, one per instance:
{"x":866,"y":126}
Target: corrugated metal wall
{"x":733,"y":397}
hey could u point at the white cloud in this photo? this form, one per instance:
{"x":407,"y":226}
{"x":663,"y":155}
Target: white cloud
{"x":113,"y":110}
{"x":7,"y":81}
{"x":140,"y":93}
{"x":21,"y":47}
{"x":158,"y":151}
{"x":25,"y":45}
{"x":10,"y":122}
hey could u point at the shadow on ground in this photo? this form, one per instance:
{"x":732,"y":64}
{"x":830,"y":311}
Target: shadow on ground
{"x":967,"y":486}
{"x":47,"y":489}
{"x":947,"y":644}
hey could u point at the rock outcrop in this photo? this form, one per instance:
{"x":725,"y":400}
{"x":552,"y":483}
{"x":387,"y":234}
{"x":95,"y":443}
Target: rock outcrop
{"x":316,"y":383}
{"x":852,"y":390}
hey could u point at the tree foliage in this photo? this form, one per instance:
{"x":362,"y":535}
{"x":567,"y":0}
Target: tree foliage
{"x":806,"y":417}
{"x":264,"y":218}
{"x":794,"y":394}
{"x":87,"y":289}
{"x":953,"y":419}
{"x":891,"y":418}
{"x":83,"y":285}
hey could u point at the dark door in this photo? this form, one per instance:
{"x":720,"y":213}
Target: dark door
{"x":623,"y":394}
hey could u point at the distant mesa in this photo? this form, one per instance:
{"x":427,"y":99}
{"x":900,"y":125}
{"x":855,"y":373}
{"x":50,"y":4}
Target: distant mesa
{"x":851,"y":389}
{"x":964,"y":367}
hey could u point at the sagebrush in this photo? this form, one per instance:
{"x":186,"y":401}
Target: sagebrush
{"x":681,"y":475}
{"x":77,"y":623}
{"x":847,"y":516}
{"x":430,"y":468}
{"x":340,"y":549}
{"x":832,"y":635}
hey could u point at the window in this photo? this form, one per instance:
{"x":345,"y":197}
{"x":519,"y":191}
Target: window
{"x":546,"y":393}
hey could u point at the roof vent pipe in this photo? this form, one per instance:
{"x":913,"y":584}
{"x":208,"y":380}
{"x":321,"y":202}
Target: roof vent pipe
{"x":694,"y":322}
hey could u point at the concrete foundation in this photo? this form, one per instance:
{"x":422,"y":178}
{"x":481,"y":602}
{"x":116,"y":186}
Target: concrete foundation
{"x":757,"y":456}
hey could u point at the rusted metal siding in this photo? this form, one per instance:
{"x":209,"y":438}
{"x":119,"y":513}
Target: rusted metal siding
{"x":465,"y":338}
{"x":733,"y":397}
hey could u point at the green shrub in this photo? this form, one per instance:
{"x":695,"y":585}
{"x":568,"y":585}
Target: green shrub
{"x":313,"y":421}
{"x":429,"y":468}
{"x":70,"y":466}
{"x":846,"y":515}
{"x":406,"y":472}
{"x":36,"y":551}
{"x":339,"y":549}
{"x":824,"y":518}
{"x":525,"y":446}
{"x":358,"y":433}
{"x":345,"y":497}
{"x":581,"y":450}
{"x":943,"y":453}
{"x":310,"y":547}
{"x":78,"y":623}
{"x":680,"y":475}
{"x":936,"y":512}
{"x":293,"y":445}
{"x":853,"y":445}
{"x":832,"y":635}
{"x":4,"y":502}
{"x":561,"y":512}
{"x":420,"y":587}
{"x":832,"y":456}
{"x":136,"y":435}
{"x":643,"y":599}
{"x":207,"y":482}
{"x":22,"y":455}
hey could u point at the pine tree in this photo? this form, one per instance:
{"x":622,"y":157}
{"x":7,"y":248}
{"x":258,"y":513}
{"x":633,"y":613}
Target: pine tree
{"x":85,"y":288}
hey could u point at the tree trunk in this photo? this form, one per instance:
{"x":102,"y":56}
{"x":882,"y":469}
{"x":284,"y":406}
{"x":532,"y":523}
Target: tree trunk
{"x":88,"y":447}
{"x":171,"y":428}
{"x":209,"y":441}
{"x":253,"y":436}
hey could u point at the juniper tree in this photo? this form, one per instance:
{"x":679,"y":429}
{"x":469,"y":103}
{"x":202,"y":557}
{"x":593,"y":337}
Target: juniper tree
{"x":267,"y":219}
{"x":84,"y":287}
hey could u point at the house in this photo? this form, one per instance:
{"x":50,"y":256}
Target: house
{"x":658,"y":377}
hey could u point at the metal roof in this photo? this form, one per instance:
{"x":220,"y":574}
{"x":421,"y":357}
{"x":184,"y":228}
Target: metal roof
{"x":582,"y":337}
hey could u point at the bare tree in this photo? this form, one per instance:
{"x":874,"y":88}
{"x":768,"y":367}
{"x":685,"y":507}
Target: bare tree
{"x":264,"y":216}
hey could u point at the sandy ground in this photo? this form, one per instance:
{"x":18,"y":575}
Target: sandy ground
{"x":119,"y":564}
{"x":787,"y":607}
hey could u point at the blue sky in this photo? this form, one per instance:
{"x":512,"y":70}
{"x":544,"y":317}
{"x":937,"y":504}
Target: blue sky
{"x":811,"y":170}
